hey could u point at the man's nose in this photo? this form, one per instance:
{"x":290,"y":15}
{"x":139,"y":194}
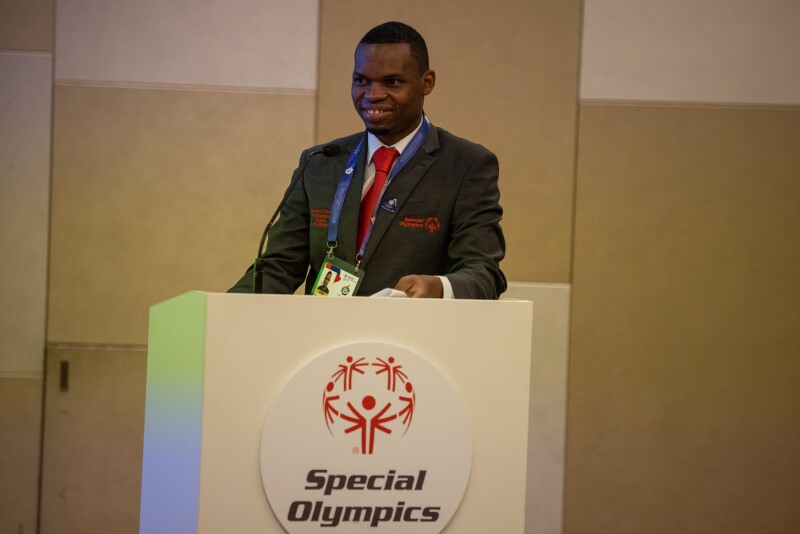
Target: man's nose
{"x":375,"y":91}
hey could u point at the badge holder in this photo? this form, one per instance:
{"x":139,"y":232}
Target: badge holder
{"x":336,"y":277}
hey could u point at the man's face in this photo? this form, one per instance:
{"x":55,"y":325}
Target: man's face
{"x":389,"y":89}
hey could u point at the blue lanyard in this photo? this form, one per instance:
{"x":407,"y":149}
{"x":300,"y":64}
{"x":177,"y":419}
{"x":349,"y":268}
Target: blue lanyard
{"x":347,"y":176}
{"x":341,"y":191}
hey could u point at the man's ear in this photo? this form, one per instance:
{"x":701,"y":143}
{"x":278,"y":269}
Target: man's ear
{"x":428,"y":81}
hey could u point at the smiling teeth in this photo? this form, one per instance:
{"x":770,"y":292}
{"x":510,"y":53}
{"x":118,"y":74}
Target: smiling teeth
{"x":373,"y":111}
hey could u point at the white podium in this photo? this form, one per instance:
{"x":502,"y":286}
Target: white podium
{"x":217,"y":362}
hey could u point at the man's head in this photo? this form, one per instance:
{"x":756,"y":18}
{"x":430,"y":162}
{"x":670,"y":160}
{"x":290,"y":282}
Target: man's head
{"x":399,"y":33}
{"x":391,"y":78}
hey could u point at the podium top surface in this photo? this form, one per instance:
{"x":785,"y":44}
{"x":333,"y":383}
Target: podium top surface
{"x":204,"y":296}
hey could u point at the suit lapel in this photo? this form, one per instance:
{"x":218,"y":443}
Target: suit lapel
{"x":401,"y":188}
{"x":348,"y":222}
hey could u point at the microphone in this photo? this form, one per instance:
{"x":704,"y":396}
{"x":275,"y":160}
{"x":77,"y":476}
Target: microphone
{"x":329,"y":151}
{"x":258,"y":266}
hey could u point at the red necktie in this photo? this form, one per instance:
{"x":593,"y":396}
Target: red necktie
{"x":383,"y":159}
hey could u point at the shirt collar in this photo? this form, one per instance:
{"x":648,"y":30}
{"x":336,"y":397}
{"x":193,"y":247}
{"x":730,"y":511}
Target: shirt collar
{"x":373,"y":143}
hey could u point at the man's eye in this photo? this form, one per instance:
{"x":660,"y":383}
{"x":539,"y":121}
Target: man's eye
{"x":359,"y":81}
{"x":392,"y":83}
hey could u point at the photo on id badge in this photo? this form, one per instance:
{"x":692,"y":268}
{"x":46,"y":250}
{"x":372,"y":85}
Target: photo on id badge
{"x":333,"y":281}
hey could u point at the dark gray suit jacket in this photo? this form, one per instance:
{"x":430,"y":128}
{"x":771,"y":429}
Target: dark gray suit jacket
{"x":447,"y":222}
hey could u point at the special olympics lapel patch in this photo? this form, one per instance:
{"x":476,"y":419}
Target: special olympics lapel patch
{"x":430,"y":224}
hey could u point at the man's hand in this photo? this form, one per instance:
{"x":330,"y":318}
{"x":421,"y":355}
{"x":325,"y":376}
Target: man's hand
{"x":421,"y":286}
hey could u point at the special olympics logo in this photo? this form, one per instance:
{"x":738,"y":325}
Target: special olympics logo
{"x":367,"y":396}
{"x":432,"y":224}
{"x":400,"y":479}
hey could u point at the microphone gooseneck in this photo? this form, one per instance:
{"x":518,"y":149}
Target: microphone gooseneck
{"x":258,"y":266}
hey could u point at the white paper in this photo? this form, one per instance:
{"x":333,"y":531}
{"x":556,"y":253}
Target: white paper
{"x":389,"y":292}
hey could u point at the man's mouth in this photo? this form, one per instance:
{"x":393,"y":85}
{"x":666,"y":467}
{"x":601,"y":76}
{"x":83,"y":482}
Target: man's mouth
{"x":376,"y":114}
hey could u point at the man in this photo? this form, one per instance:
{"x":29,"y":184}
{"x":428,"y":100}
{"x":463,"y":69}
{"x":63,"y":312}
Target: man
{"x":422,"y":218}
{"x":322,"y":289}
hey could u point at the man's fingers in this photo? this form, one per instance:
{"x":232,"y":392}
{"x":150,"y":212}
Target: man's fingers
{"x":407,"y":283}
{"x":420,"y":286}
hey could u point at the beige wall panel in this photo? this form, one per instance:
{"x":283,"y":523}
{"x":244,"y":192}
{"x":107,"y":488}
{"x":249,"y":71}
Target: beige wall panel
{"x":544,"y":500}
{"x":20,"y":428}
{"x":94,"y":430}
{"x":730,"y":51}
{"x":506,"y":78}
{"x":26,"y":25}
{"x":157,"y":192}
{"x":683,"y":403}
{"x":242,"y":43}
{"x":25,"y":104}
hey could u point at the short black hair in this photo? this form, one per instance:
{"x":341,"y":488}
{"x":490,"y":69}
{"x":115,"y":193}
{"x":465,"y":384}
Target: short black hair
{"x":396,"y":33}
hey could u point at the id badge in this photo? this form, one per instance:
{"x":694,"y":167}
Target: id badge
{"x":337,"y":278}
